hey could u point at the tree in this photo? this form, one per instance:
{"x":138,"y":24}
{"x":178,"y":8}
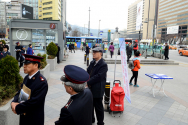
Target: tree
{"x":75,"y":32}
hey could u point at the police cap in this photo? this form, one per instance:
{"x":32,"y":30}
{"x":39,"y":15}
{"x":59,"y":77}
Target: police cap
{"x":75,"y":75}
{"x":32,"y":58}
{"x":6,"y":46}
{"x":98,"y":49}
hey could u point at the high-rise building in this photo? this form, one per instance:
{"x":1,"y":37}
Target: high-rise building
{"x":146,"y":28}
{"x":50,"y":9}
{"x":31,"y":3}
{"x":34,"y":4}
{"x":173,"y":21}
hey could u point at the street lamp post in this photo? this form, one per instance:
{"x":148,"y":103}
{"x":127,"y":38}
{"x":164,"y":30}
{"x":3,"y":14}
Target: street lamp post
{"x":99,"y":28}
{"x":84,"y":29}
{"x":89,"y":23}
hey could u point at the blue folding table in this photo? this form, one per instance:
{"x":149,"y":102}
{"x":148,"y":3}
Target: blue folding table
{"x":161,"y":77}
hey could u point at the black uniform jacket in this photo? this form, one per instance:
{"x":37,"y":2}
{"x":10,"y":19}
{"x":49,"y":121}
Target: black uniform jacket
{"x":78,"y":110}
{"x":32,"y":111}
{"x":6,"y":53}
{"x":1,"y":47}
{"x":97,"y":80}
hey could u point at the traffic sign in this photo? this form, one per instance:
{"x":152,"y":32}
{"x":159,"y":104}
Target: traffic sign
{"x":101,"y":31}
{"x":100,"y":34}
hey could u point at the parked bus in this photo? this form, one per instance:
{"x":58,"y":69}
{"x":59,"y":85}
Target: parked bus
{"x":91,"y":41}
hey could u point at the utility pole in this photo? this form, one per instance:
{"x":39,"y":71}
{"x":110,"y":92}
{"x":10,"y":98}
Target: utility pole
{"x":99,"y":28}
{"x":89,"y":23}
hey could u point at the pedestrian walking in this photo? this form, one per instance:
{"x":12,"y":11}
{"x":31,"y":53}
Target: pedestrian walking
{"x":135,"y":47}
{"x":75,"y":45}
{"x":136,"y":63}
{"x":72,"y":47}
{"x":129,"y":51}
{"x":166,"y":50}
{"x":30,"y":50}
{"x":87,"y":50}
{"x":1,"y":46}
{"x":58,"y":61}
{"x":84,"y":46}
{"x":98,"y":72}
{"x":5,"y":50}
{"x":81,"y":46}
{"x":29,"y":101}
{"x":111,"y":49}
{"x":22,"y":58}
{"x":78,"y":110}
{"x":18,"y":48}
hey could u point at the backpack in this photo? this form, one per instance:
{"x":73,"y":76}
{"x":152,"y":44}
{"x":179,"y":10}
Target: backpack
{"x":131,"y":64}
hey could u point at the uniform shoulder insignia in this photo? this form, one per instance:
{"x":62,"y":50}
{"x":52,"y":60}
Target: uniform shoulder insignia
{"x":68,"y":103}
{"x":42,"y":79}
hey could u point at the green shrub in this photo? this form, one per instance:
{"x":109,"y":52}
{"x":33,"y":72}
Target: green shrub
{"x":52,"y":49}
{"x":10,"y":79}
{"x":3,"y":41}
{"x":43,"y":62}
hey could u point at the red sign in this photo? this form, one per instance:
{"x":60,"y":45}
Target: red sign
{"x":52,"y":26}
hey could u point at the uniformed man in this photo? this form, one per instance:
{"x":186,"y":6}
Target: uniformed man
{"x":98,"y":72}
{"x":29,"y":101}
{"x":18,"y":48}
{"x":5,"y":49}
{"x":78,"y":110}
{"x":1,"y":46}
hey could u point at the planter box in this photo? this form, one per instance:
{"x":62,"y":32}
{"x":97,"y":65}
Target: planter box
{"x":7,"y":117}
{"x":53,"y":63}
{"x":46,"y":71}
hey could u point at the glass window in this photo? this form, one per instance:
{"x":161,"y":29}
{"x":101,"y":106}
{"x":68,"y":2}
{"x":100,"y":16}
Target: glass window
{"x":47,"y":18}
{"x":51,"y":36}
{"x":38,"y":41}
{"x":47,"y":8}
{"x":47,"y":3}
{"x":49,"y":13}
{"x":9,"y":7}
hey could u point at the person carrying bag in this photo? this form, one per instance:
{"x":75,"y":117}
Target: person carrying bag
{"x":135,"y":66}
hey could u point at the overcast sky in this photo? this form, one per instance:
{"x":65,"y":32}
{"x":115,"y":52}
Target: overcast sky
{"x":112,"y":13}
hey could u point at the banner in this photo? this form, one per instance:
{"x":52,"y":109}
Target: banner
{"x":124,"y":68}
{"x":173,"y":30}
{"x":139,"y":15}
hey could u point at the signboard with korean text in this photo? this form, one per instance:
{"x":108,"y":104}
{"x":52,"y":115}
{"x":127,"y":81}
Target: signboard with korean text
{"x":124,"y":69}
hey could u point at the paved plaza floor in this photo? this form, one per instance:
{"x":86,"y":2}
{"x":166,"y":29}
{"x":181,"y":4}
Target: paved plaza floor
{"x":144,"y":108}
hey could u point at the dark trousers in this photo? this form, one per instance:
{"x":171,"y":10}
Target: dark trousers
{"x":73,"y":50}
{"x":135,"y":76}
{"x":17,"y":56}
{"x":135,"y":51}
{"x":21,"y":64}
{"x":111,"y":53}
{"x":58,"y":61}
{"x":166,"y":57}
{"x":128,"y":57}
{"x":99,"y":110}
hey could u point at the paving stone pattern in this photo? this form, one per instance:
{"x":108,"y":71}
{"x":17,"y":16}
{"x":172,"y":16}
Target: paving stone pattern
{"x":143,"y":110}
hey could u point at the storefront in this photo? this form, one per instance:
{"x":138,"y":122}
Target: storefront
{"x":39,"y":33}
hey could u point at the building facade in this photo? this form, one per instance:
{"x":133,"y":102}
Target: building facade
{"x":39,"y":33}
{"x":173,"y":14}
{"x":50,"y":9}
{"x":148,"y":13}
{"x":2,"y":19}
